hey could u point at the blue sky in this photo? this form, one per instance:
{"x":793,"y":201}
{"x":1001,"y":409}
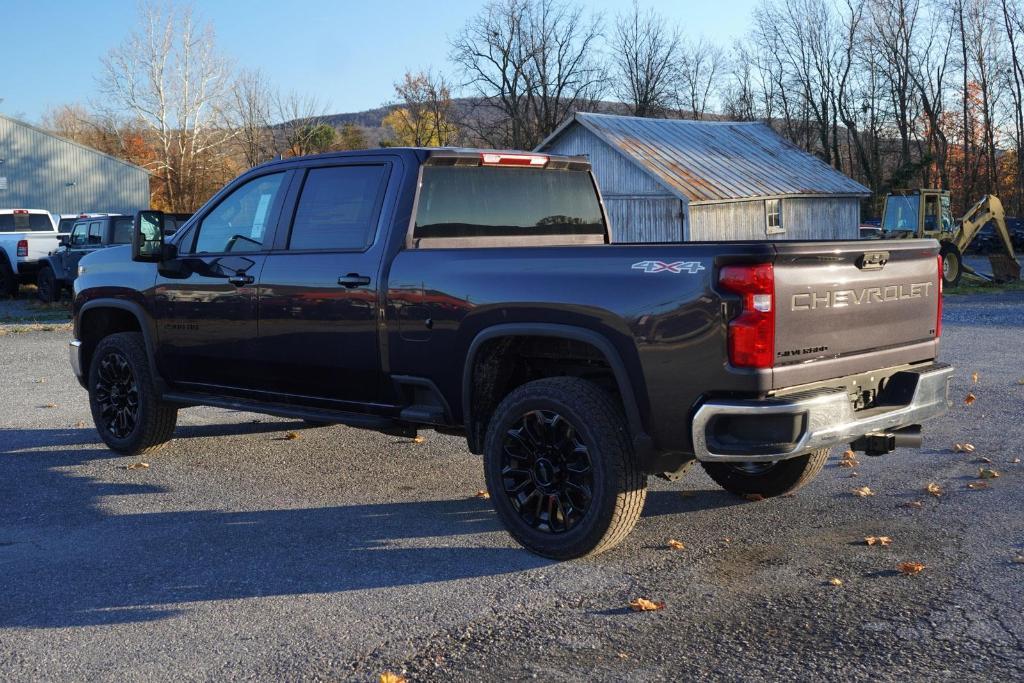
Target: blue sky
{"x":347,"y":53}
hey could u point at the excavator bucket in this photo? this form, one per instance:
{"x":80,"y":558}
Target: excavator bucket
{"x":1004,"y":268}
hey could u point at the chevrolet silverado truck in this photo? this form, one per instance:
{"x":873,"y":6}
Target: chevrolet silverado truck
{"x":26,"y":236}
{"x":477,"y":293}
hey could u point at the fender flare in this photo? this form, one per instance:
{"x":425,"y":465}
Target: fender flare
{"x":641,"y":439}
{"x":139,"y":313}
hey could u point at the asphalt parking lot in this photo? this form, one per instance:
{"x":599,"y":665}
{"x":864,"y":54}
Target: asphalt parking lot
{"x":341,"y":554}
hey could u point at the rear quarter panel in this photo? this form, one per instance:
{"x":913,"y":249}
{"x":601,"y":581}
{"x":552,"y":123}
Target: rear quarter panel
{"x":666,"y":324}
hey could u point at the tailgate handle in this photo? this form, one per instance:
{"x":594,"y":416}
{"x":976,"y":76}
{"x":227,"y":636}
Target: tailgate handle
{"x":873,"y":260}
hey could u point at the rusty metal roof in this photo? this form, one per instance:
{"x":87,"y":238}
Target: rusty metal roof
{"x":711,"y":161}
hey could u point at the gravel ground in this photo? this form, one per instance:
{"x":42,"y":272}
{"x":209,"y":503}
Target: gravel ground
{"x":341,"y":554}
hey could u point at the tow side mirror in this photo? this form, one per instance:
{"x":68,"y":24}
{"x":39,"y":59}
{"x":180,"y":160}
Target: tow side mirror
{"x":148,"y":236}
{"x":65,"y":240}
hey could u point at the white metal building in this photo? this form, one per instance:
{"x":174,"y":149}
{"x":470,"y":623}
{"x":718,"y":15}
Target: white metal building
{"x":39,"y":170}
{"x":670,"y":180}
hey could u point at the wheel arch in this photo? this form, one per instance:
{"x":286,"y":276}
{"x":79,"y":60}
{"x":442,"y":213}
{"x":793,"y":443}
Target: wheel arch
{"x":641,"y":440}
{"x":100,"y":318}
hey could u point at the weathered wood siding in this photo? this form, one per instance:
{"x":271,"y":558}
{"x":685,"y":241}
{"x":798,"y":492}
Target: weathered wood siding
{"x":645,"y":219}
{"x":615,"y":174}
{"x":804,"y":218}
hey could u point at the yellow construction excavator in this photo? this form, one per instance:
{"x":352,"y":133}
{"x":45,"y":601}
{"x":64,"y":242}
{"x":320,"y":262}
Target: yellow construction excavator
{"x":926,"y":213}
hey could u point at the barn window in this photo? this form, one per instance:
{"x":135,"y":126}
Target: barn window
{"x":773,"y":216}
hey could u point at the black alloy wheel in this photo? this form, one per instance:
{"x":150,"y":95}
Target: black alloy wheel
{"x":546,"y":472}
{"x":117,"y":394}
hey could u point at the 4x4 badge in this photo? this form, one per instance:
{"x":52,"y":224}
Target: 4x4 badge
{"x":690,"y":267}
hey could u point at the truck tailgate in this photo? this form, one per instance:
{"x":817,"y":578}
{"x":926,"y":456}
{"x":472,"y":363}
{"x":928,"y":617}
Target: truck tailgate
{"x":876,"y":300}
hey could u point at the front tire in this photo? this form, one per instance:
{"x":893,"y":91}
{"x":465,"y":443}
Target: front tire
{"x":126,"y":410}
{"x":767,"y":479}
{"x":560,"y":469}
{"x":952,"y":264}
{"x":47,"y":288}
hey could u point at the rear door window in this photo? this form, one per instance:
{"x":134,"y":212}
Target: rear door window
{"x":79,"y":234}
{"x":508,"y":206}
{"x":122,"y":231}
{"x":338,"y":208}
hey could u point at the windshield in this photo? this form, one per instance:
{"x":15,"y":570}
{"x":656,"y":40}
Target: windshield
{"x":25,"y":222}
{"x":901,"y":212}
{"x":508,"y":206}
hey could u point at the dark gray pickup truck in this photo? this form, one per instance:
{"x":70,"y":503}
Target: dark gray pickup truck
{"x":476,"y":293}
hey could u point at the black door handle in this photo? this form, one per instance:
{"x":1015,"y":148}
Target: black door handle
{"x":353,"y":280}
{"x":241,"y":279}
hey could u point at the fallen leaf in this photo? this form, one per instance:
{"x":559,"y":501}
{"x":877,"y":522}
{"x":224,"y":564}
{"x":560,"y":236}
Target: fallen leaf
{"x":136,"y":466}
{"x":79,"y":424}
{"x":909,"y":568}
{"x":974,"y":377}
{"x":970,"y":398}
{"x":645,"y":605}
{"x":854,"y":474}
{"x":963,"y":447}
{"x":986,"y":473}
{"x":292,"y":436}
{"x":1018,"y":559}
{"x":48,"y":405}
{"x":984,"y":461}
{"x":388,"y":677}
{"x":623,"y":655}
{"x":753,"y":497}
{"x":419,"y":439}
{"x":727,"y":539}
{"x":863,"y":492}
{"x":849,"y":455}
{"x":835,"y":581}
{"x":978,"y":485}
{"x":934,"y":489}
{"x":1015,"y":461}
{"x":913,"y":504}
{"x":848,"y":463}
{"x":41,"y":380}
{"x":676,"y":545}
{"x":1020,"y":381}
{"x":482,"y":494}
{"x":883,"y":541}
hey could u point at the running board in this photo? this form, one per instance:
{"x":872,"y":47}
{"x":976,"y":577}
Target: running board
{"x":375,"y":422}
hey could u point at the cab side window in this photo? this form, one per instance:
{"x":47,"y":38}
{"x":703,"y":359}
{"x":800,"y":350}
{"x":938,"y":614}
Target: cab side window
{"x":338,"y":208}
{"x":240,"y":222}
{"x":79,"y":234}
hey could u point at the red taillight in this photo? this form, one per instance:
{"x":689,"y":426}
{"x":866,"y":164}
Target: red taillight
{"x":752,"y":332}
{"x":22,"y":247}
{"x":21,"y":212}
{"x":938,"y":314}
{"x":496,"y":159}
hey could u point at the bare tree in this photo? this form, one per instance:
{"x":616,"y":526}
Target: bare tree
{"x":297,"y":123}
{"x":251,"y":114}
{"x":645,"y":51}
{"x":1013,"y":23}
{"x":169,"y":76}
{"x":700,"y":65}
{"x":426,"y":113}
{"x":530,"y":64}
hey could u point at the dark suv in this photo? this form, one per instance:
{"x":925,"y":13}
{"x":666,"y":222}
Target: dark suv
{"x":59,"y":270}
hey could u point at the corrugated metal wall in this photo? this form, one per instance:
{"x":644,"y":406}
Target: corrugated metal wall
{"x":804,"y":218}
{"x":640,"y":209}
{"x":46,"y":172}
{"x":645,"y":219}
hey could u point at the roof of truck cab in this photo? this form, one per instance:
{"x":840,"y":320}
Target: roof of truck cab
{"x":420,"y":152}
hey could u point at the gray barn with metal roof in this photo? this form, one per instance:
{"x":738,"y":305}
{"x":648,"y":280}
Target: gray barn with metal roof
{"x":39,"y":170}
{"x":670,"y":180}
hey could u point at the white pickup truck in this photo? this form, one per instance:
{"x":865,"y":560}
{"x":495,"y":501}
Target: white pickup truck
{"x":26,"y":236}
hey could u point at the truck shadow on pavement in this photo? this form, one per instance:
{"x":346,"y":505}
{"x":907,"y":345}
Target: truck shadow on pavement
{"x":66,"y":561}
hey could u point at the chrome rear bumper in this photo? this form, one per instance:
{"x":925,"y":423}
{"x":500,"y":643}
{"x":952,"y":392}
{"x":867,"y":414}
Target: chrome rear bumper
{"x":824,"y":417}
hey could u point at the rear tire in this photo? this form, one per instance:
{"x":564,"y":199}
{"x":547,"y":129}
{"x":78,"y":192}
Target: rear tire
{"x":8,"y":280}
{"x":126,"y":410}
{"x":767,"y":479}
{"x":560,"y":469}
{"x":47,"y":288}
{"x":952,"y":264}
